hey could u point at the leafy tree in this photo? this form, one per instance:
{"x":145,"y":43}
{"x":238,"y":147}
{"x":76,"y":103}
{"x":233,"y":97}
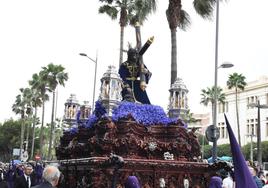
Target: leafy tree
{"x":177,"y":17}
{"x":9,"y":138}
{"x":264,"y":146}
{"x":224,"y":150}
{"x":54,"y":74}
{"x":207,"y":151}
{"x":246,"y":151}
{"x":237,"y":81}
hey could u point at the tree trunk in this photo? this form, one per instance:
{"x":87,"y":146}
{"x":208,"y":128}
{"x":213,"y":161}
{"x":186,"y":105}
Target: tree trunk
{"x":22,"y":134}
{"x":27,"y":133}
{"x":33,"y":139}
{"x":52,"y":127}
{"x":173,"y":56}
{"x":237,"y":117}
{"x":42,"y":130}
{"x":138,"y":35}
{"x":138,"y":39}
{"x":121,"y":45}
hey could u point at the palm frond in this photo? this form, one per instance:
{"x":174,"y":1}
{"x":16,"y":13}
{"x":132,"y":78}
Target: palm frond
{"x":185,"y":20}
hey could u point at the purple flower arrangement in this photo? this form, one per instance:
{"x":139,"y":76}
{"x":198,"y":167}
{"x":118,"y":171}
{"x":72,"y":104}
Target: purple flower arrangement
{"x":143,"y":114}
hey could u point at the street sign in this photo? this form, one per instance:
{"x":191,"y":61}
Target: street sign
{"x":16,"y":152}
{"x":24,"y":156}
{"x":210,"y":133}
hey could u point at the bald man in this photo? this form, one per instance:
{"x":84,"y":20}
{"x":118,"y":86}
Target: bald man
{"x":51,"y":176}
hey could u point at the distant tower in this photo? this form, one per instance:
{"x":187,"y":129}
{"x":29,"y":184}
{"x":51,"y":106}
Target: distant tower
{"x":178,"y":101}
{"x":71,"y":108}
{"x":85,"y":110}
{"x":111,"y":87}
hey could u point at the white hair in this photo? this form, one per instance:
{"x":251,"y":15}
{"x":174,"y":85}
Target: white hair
{"x":51,"y":174}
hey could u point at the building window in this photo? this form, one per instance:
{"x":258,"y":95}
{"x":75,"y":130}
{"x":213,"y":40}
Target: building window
{"x":252,"y":126}
{"x":252,"y":99}
{"x":223,"y":107}
{"x":222,"y":130}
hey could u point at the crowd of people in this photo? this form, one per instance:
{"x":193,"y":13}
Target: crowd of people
{"x":29,"y":175}
{"x":227,"y":179}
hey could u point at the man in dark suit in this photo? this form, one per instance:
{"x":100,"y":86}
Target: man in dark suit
{"x":51,"y":176}
{"x":26,"y":180}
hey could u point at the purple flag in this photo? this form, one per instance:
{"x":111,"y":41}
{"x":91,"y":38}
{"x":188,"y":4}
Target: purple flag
{"x":243,"y":177}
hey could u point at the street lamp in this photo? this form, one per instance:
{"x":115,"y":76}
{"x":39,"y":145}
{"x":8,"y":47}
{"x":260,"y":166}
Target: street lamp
{"x":259,"y":149}
{"x":214,"y":113}
{"x":96,"y":63}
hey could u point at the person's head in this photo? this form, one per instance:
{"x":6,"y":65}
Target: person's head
{"x":52,"y":175}
{"x":28,"y":169}
{"x":253,"y":170}
{"x":132,"y":182}
{"x":132,"y":55}
{"x":215,"y":182}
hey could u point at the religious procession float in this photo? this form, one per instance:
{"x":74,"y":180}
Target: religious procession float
{"x":127,"y":136}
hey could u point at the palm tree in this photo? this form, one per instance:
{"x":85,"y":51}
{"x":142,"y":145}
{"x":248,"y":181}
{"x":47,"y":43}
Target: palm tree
{"x":36,"y":102}
{"x":188,"y":117}
{"x":141,"y":10}
{"x":130,"y":11}
{"x":40,"y":84}
{"x":177,"y":17}
{"x":237,"y":81}
{"x":208,"y":96}
{"x":54,"y":75}
{"x":112,"y":9}
{"x":22,"y":106}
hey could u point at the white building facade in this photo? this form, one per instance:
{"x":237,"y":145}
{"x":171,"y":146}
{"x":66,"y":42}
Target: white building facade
{"x":248,"y":117}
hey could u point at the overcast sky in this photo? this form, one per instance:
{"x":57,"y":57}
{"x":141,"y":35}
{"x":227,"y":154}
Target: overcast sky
{"x":35,"y":33}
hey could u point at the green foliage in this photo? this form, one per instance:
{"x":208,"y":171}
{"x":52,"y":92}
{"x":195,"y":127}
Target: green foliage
{"x":264,"y":146}
{"x":10,"y":132}
{"x":246,"y":151}
{"x":236,"y":81}
{"x":9,"y":138}
{"x":224,"y":150}
{"x":204,"y":8}
{"x":208,"y":95}
{"x":207,"y":151}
